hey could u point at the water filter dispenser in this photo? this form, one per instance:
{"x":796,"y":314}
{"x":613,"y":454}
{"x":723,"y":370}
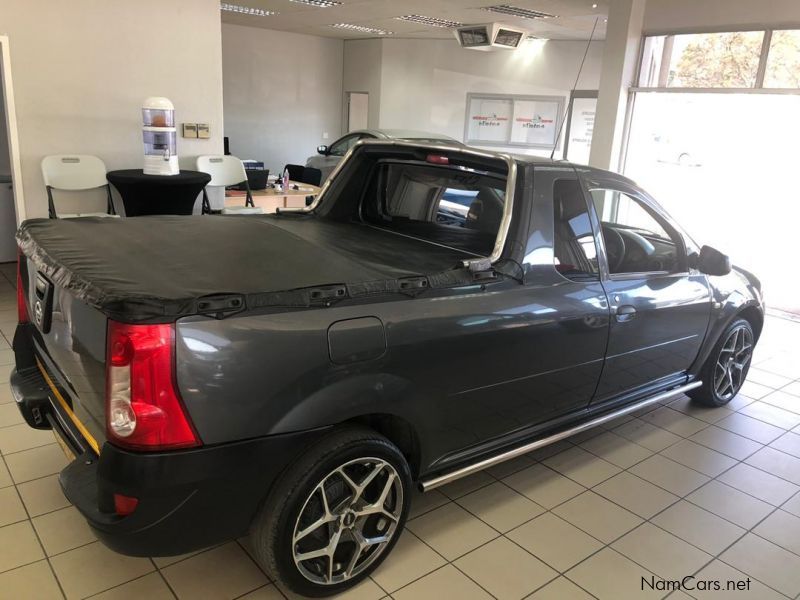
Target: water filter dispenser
{"x":160,"y":137}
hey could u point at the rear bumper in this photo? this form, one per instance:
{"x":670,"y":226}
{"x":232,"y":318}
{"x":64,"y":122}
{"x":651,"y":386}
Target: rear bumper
{"x":188,"y":499}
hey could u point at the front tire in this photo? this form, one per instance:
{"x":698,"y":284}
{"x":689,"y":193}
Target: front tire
{"x":335,"y":514}
{"x":726,"y":368}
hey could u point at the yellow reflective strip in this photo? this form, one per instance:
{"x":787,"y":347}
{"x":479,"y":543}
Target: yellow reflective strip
{"x":84,"y":432}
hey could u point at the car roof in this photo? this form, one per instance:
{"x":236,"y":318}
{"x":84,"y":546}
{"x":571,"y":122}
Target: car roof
{"x":406,"y":134}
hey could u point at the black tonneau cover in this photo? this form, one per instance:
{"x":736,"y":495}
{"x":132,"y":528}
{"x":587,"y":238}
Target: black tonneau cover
{"x":159,"y":268}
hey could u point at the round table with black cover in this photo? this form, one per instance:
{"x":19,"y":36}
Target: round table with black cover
{"x":158,"y":194}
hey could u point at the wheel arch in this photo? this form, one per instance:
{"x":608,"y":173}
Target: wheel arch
{"x":397,"y":430}
{"x":754,"y":316}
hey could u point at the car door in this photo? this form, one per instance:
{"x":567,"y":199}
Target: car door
{"x":660,"y":309}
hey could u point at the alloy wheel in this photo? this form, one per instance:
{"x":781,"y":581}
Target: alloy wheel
{"x":347,"y":521}
{"x":732,"y":362}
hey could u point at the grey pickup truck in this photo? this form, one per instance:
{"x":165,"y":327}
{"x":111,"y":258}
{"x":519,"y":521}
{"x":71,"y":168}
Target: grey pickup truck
{"x":437,"y":310}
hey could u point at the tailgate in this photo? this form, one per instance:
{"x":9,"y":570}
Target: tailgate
{"x":69,"y":341}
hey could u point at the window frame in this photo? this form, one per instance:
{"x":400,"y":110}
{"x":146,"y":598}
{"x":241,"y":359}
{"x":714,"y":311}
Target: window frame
{"x":594,"y":230}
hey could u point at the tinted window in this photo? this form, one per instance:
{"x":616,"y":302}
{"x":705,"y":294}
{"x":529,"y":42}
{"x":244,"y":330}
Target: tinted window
{"x":574,"y":249}
{"x":340,"y":147}
{"x":636,"y":239}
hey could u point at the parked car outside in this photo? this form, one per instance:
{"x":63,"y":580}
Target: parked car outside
{"x":392,"y":341}
{"x":328,"y":157}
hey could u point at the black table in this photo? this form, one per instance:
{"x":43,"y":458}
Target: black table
{"x":158,"y":194}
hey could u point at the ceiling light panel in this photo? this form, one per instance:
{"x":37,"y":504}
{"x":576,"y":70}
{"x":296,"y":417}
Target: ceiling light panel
{"x":362,"y":28}
{"x":246,"y":10}
{"x":318,"y":3}
{"x":516,"y":11}
{"x":431,"y":21}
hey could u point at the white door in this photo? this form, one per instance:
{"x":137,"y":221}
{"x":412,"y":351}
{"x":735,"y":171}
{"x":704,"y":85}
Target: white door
{"x":357,"y":110}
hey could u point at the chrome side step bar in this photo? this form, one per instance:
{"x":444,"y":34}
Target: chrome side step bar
{"x":434,"y":482}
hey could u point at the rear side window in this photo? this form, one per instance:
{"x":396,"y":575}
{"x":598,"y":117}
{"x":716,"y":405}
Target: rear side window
{"x":456,"y":208}
{"x":574,"y":248}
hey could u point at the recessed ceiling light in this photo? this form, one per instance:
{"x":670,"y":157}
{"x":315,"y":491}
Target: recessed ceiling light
{"x":432,"y":21}
{"x":318,"y":3}
{"x":594,"y":5}
{"x":516,"y":11}
{"x":246,"y":10}
{"x":361,"y":28}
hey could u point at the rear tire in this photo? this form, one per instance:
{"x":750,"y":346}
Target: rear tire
{"x":335,"y":514}
{"x":725,"y":370}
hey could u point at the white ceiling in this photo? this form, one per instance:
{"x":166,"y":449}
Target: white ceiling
{"x":574,"y":18}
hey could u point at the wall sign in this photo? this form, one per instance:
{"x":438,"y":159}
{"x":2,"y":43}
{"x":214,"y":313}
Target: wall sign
{"x":513,"y":120}
{"x":580,"y":126}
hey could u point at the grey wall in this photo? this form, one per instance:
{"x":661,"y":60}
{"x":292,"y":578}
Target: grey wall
{"x":282,"y":93}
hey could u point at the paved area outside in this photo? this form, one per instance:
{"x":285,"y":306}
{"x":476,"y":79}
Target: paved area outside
{"x":673,"y":491}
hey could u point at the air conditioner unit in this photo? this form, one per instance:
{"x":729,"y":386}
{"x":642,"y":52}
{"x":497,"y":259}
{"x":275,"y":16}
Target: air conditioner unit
{"x":490,"y":36}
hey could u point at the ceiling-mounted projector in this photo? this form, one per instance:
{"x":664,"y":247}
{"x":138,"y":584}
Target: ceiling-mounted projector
{"x":489,"y":36}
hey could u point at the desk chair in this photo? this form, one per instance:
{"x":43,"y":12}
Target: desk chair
{"x":311,"y":176}
{"x":75,"y":172}
{"x":295,"y":172}
{"x":226,"y":171}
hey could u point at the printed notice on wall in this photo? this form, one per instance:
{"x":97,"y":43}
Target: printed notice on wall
{"x":581,"y":128}
{"x":525,"y":121}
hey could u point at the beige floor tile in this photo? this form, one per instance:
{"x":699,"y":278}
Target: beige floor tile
{"x":661,"y":552}
{"x":224,"y":572}
{"x":410,"y":559}
{"x":738,"y":402}
{"x":759,"y":483}
{"x":705,"y":413}
{"x":668,"y":474}
{"x":792,"y":388}
{"x":597,"y":516}
{"x":36,"y":463}
{"x":505,"y":570}
{"x":793,"y":505}
{"x":730,"y":504}
{"x":561,"y":589}
{"x":7,"y":357}
{"x":42,"y":495}
{"x":751,"y":428}
{"x":544,"y":486}
{"x":31,"y":582}
{"x":550,"y":450}
{"x":697,"y":526}
{"x":767,"y":379}
{"x":18,"y":546}
{"x":674,"y":421}
{"x":783,"y":399}
{"x":500,"y":506}
{"x":772,"y":415}
{"x":616,"y":449}
{"x":11,"y":508}
{"x":719,"y":571}
{"x":637,"y":495}
{"x":17,"y":438}
{"x":451,"y":531}
{"x":5,"y":393}
{"x":697,"y":457}
{"x":462,"y":487}
{"x":726,"y":442}
{"x":149,"y":587}
{"x":770,"y":564}
{"x":422,"y":502}
{"x":781,"y":528}
{"x":609,"y":575}
{"x":647,"y":435}
{"x":506,"y":468}
{"x":94,"y":568}
{"x":447,"y":580}
{"x":10,"y":415}
{"x":581,"y":466}
{"x":778,"y":463}
{"x":268,"y":592}
{"x":789,"y":443}
{"x":62,"y":530}
{"x":164,"y":561}
{"x":754,"y":390}
{"x":555,"y":541}
{"x":5,"y":476}
{"x":366,"y":590}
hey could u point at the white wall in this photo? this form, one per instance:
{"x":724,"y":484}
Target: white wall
{"x":666,"y":16}
{"x":282,"y":92}
{"x":82,"y":68}
{"x":424,"y":83}
{"x":5,"y":160}
{"x":362,"y":73}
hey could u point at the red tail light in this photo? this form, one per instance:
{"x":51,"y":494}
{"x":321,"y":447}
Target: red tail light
{"x":438,"y":159}
{"x":143,"y":408}
{"x":124,"y":505}
{"x":22,"y":303}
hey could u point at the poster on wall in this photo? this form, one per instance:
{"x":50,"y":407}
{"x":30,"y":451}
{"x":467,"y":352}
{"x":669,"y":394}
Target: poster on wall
{"x":580,"y":129}
{"x":489,"y":119}
{"x":513,"y":120}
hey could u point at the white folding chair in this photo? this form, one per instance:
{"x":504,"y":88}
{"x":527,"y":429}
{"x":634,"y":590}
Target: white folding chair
{"x":225,"y":171}
{"x":75,"y":172}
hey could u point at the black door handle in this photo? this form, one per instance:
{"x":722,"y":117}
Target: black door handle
{"x":626,"y":312}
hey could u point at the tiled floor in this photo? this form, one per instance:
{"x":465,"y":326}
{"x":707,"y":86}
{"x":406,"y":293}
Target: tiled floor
{"x":673,"y":491}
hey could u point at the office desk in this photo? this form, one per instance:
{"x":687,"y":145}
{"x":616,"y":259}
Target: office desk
{"x":273,"y":198}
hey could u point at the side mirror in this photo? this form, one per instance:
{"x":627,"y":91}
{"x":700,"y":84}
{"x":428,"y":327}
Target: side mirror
{"x":713,"y":262}
{"x":323,"y":149}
